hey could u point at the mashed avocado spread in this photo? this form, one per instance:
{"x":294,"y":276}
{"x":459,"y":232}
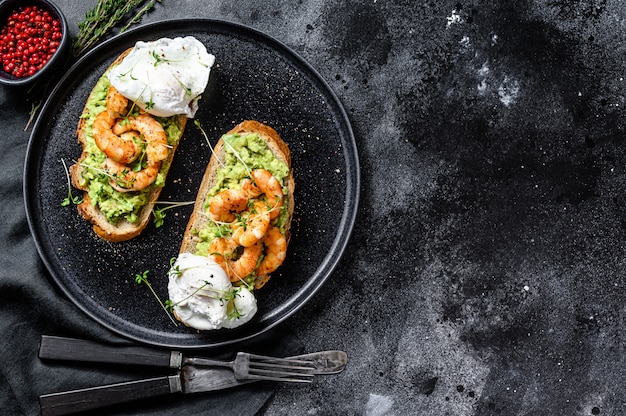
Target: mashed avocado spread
{"x":243,"y":153}
{"x":115,"y":205}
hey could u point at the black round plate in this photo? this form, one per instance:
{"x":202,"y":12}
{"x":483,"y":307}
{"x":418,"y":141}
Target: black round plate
{"x":255,"y":77}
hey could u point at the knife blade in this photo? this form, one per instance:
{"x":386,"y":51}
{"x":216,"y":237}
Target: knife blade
{"x":80,"y":400}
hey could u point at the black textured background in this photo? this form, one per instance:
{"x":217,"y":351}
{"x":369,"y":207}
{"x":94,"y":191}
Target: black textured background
{"x":485,"y":275}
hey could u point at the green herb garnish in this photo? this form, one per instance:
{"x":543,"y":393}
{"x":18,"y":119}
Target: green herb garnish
{"x":143,"y":279}
{"x":159,"y":213}
{"x":71,"y":199}
{"x":102,"y":18}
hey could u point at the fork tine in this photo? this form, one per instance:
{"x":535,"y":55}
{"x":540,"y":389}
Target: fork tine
{"x":271,"y":378}
{"x":280,"y":361}
{"x":277,"y":369}
{"x":282,"y":367}
{"x":278,"y":375}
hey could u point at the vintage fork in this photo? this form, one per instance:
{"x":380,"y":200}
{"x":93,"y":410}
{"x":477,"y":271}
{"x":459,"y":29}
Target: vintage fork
{"x":248,"y":366}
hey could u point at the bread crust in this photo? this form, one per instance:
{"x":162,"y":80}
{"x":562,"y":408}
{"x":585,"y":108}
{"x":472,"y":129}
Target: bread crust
{"x":278,"y":147}
{"x":123,"y":230}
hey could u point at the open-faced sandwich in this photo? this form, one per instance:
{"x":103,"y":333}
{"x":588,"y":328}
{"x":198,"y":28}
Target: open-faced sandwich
{"x":130,"y":128}
{"x":238,"y":232}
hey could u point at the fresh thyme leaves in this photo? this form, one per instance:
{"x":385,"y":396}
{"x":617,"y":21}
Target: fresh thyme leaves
{"x":142,"y":278}
{"x":137,"y":18}
{"x":102,"y":18}
{"x":32,"y":114}
{"x":159,"y":213}
{"x":71,"y":199}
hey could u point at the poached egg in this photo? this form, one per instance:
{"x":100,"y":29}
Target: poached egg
{"x":164,"y":77}
{"x":203,"y":296}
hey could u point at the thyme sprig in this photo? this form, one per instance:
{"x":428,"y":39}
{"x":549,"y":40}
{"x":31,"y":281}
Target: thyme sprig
{"x":102,"y":18}
{"x":34,"y":108}
{"x":137,"y":18}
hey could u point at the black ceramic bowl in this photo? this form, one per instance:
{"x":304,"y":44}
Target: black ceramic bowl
{"x":7,"y":7}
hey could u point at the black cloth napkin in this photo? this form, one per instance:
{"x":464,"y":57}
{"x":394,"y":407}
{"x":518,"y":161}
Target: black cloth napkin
{"x":31,"y":306}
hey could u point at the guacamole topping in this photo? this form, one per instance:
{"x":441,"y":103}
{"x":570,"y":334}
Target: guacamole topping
{"x":114,"y":205}
{"x":243,"y":153}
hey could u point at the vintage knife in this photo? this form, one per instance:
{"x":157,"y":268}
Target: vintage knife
{"x":188,"y":380}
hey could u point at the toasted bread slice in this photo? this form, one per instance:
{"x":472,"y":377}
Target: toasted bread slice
{"x":120,"y":228}
{"x":200,"y":218}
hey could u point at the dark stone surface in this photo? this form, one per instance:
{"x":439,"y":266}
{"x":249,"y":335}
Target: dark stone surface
{"x":485,"y":275}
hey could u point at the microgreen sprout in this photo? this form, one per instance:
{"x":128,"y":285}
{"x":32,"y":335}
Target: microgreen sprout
{"x":171,"y":305}
{"x":141,"y":163}
{"x":97,"y":170}
{"x":187,"y":89}
{"x":71,"y":199}
{"x":130,"y":71}
{"x":159,"y":59}
{"x":133,"y":111}
{"x":206,"y":138}
{"x":149,"y":104}
{"x":175,"y":269}
{"x":238,"y":156}
{"x":242,"y":221}
{"x":233,"y":312}
{"x":159,"y":213}
{"x":222,"y":228}
{"x":142,"y":278}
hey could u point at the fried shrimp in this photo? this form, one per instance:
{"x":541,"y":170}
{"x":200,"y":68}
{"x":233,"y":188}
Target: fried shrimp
{"x":275,"y":251}
{"x":123,"y":149}
{"x":252,"y":227}
{"x":237,"y":263}
{"x":263,"y":182}
{"x":116,"y":103}
{"x":151,"y":132}
{"x":225,"y":204}
{"x":124,"y":179}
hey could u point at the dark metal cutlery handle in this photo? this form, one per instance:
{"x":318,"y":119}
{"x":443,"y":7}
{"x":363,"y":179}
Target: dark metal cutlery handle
{"x":95,"y":397}
{"x":60,"y":348}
